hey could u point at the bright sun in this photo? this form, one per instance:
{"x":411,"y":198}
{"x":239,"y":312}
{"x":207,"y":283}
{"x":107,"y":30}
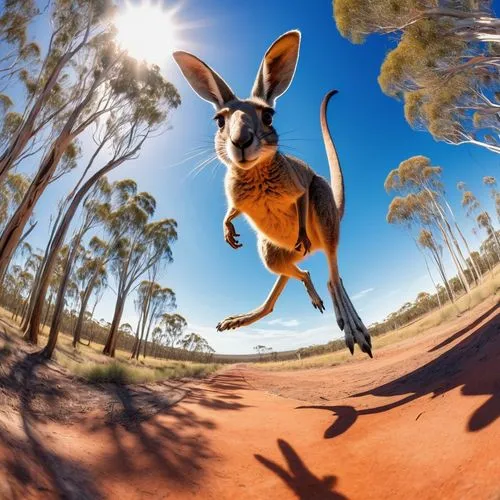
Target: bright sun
{"x":146,"y":31}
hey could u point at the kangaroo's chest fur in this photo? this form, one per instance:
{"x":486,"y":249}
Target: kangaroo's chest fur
{"x":267,"y":195}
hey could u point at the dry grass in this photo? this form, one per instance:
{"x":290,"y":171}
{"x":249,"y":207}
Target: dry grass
{"x":89,"y":363}
{"x":122,"y":372}
{"x":490,"y":287}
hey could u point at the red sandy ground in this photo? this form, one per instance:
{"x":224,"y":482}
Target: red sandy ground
{"x":420,"y":421}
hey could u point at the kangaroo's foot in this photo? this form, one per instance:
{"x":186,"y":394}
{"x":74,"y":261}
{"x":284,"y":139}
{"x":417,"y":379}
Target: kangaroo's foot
{"x":239,"y":320}
{"x":348,"y":320}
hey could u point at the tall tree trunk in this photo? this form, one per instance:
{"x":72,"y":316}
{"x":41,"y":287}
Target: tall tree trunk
{"x":144,"y":352}
{"x":38,"y":275}
{"x":110,"y":347}
{"x":433,"y":282}
{"x":136,"y":342}
{"x":23,"y":237}
{"x":460,"y":272}
{"x":439,"y":264}
{"x":495,"y":237}
{"x":83,"y":307}
{"x":49,"y":305}
{"x":141,"y":339}
{"x":91,"y":334}
{"x":58,"y":241}
{"x":473,"y":262}
{"x":447,"y":233}
{"x":58,"y":307}
{"x":14,"y":229}
{"x":25,"y":306}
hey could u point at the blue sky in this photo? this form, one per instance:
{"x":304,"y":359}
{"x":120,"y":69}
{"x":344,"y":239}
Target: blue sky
{"x":379,"y":264}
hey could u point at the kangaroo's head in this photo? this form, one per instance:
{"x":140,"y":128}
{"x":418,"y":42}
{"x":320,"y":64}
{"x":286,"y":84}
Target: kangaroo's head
{"x":245,"y":134}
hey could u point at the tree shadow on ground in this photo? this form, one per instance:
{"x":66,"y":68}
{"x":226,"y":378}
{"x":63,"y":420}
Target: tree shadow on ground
{"x":161,"y":427}
{"x":465,"y":330}
{"x":32,"y":463}
{"x":472,"y":364}
{"x":144,"y":425}
{"x":299,"y":478}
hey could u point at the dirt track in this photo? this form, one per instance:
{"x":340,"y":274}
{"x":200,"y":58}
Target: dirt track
{"x":418,"y":421}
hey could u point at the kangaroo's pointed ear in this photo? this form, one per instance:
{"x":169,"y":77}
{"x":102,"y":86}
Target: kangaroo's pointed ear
{"x":203,"y":79}
{"x":277,"y":68}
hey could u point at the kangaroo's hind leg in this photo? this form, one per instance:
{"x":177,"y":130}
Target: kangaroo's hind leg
{"x":282,"y":261}
{"x":266,"y":308}
{"x":328,"y":226}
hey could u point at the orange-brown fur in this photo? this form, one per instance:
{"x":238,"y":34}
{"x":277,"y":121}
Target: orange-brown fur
{"x":293,"y":210}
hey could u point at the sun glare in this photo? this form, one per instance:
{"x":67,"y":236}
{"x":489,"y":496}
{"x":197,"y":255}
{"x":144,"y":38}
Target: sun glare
{"x":146,"y":31}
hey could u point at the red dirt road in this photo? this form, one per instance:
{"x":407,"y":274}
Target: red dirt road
{"x":420,"y":421}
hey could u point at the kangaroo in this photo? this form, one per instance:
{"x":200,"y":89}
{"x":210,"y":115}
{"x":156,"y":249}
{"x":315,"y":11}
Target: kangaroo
{"x":293,"y":210}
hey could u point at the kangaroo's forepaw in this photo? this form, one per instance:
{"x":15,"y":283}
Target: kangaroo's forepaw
{"x":303,"y":241}
{"x":230,"y":236}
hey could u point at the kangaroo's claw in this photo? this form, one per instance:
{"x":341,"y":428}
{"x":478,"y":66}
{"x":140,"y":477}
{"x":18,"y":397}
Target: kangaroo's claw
{"x":349,"y":321}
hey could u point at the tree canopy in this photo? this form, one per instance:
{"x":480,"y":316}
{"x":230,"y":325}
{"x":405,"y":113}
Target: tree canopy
{"x":444,"y":67}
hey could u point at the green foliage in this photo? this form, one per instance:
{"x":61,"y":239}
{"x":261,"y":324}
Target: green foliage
{"x":443,"y":66}
{"x":11,"y":194}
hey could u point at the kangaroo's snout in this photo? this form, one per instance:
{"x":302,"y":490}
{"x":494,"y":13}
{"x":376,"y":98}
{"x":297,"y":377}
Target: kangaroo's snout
{"x":242,"y":141}
{"x":241,"y":133}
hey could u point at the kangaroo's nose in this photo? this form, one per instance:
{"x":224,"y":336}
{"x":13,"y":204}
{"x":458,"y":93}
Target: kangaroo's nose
{"x":242,"y":141}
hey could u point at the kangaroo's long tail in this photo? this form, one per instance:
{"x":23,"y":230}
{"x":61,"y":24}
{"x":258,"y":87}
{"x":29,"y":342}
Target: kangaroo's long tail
{"x":336,"y":177}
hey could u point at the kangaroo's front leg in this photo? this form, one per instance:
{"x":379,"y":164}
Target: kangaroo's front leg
{"x":253,"y":316}
{"x":230,"y":233}
{"x":302,"y":205}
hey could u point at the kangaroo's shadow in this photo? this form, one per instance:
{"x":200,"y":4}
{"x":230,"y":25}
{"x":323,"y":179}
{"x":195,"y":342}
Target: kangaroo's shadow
{"x":299,"y":478}
{"x":472,"y":364}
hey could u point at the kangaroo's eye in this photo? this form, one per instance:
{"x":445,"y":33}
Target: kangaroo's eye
{"x":220,"y":121}
{"x":267,"y":118}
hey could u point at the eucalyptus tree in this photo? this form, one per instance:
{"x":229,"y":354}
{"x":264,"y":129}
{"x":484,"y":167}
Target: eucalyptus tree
{"x":444,"y":66}
{"x":491,"y":182}
{"x":427,"y":241}
{"x":401,"y":211}
{"x":92,"y":276}
{"x":54,"y":283}
{"x":130,"y":95}
{"x":157,"y":337}
{"x":482,"y":217}
{"x":173,"y":326}
{"x":162,"y":301}
{"x":194,"y":342}
{"x":153,"y":300}
{"x":18,"y":51}
{"x":124,"y":132}
{"x":142,"y":302}
{"x":138,"y":244}
{"x":95,"y":210}
{"x":32,"y":264}
{"x":484,"y":221}
{"x":11,"y":194}
{"x":77,"y":28}
{"x":420,"y":180}
{"x":21,"y":280}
